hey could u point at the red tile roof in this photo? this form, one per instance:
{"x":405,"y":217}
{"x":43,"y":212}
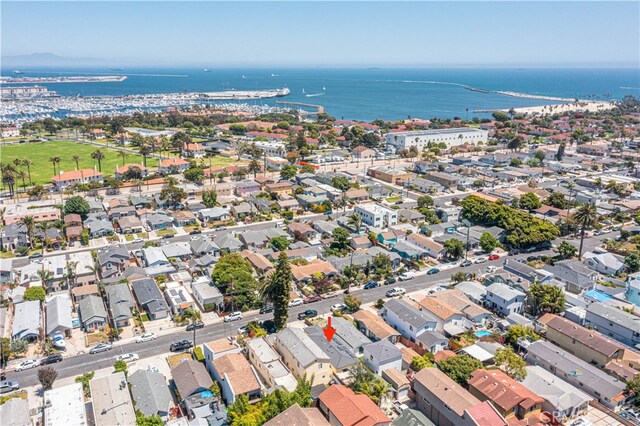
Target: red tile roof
{"x":485,"y":415}
{"x":352,"y":409}
{"x":76,"y":174}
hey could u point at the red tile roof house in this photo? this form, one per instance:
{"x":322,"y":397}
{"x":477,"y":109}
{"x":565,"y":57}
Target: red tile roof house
{"x":97,"y":134}
{"x":122,"y":170}
{"x":65,"y":179}
{"x":363,"y":153}
{"x":193,"y":150}
{"x":341,"y":406}
{"x":123,"y":138}
{"x":172,"y":165}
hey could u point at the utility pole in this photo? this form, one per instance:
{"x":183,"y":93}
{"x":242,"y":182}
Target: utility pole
{"x":466,"y":247}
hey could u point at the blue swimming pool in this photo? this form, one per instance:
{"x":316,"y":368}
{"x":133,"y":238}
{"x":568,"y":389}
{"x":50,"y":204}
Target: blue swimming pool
{"x":483,"y":333}
{"x":598,"y":296}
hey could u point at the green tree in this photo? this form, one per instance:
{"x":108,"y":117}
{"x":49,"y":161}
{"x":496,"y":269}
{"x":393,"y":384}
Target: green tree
{"x":425,"y":202}
{"x":77,"y":205}
{"x":487,"y":242}
{"x":560,"y":153}
{"x":209,"y":198}
{"x":557,"y":200}
{"x":279,"y":243}
{"x":367,"y":383}
{"x":530,"y":201}
{"x":85,"y":379}
{"x":585,"y":217}
{"x":341,"y":183}
{"x":382,"y":266}
{"x":194,"y":174}
{"x":423,"y":361}
{"x":29,"y":223}
{"x":511,"y":363}
{"x":154,"y":420}
{"x":460,"y":367}
{"x":352,"y":302}
{"x":459,"y":277}
{"x":277,"y":291}
{"x":172,"y":194}
{"x":121,"y":365}
{"x":632,"y":262}
{"x":35,"y":293}
{"x":566,"y":250}
{"x":98,"y":155}
{"x":633,"y":385}
{"x":355,"y":220}
{"x":500,"y":116}
{"x":233,"y":275}
{"x":46,"y":377}
{"x":307,"y":168}
{"x":254,"y":167}
{"x":454,"y":248}
{"x":545,"y":298}
{"x":519,"y":331}
{"x":340,"y":239}
{"x":288,"y":171}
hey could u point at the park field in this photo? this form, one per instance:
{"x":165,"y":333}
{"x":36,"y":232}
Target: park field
{"x":40,"y":153}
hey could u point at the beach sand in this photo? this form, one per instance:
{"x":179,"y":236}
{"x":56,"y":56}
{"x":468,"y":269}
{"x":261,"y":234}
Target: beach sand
{"x":591,"y":106}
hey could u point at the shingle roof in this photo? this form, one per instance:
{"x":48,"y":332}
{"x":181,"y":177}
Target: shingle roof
{"x":383,"y":350}
{"x":305,"y":350}
{"x":59,"y":313}
{"x":591,"y":338}
{"x":189,"y":376}
{"x":408,"y":313}
{"x":238,"y":371}
{"x":446,"y":390}
{"x":150,"y":392}
{"x":92,"y":306}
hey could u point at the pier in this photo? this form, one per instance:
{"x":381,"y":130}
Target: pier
{"x":319,"y":108}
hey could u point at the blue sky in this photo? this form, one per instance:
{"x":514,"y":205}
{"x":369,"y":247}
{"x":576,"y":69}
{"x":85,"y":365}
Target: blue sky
{"x":328,"y":33}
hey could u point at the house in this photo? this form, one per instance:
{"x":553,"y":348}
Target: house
{"x":177,"y":297}
{"x":131,"y":171}
{"x":154,"y":256}
{"x":14,"y":213}
{"x":172,"y":165}
{"x":228,"y":243}
{"x":341,"y":356}
{"x":343,"y":407}
{"x":112,"y":260}
{"x":574,"y":275}
{"x":245,"y":188}
{"x":303,"y":273}
{"x":446,"y":403}
{"x":560,"y":398}
{"x":98,"y":227}
{"x":213,"y":214}
{"x":382,"y":355}
{"x":432,"y":341}
{"x":389,"y":174}
{"x":269,"y":365}
{"x":158,"y":220}
{"x":178,"y":250}
{"x":302,"y":229}
{"x":448,"y":319}
{"x":27,"y":321}
{"x":149,"y":298}
{"x":15,"y":412}
{"x":510,"y":398}
{"x":202,"y":245}
{"x":63,"y":406}
{"x":93,"y":315}
{"x":120,"y":303}
{"x":97,"y":134}
{"x":83,"y":291}
{"x":193,"y":150}
{"x":9,"y":131}
{"x":608,"y":390}
{"x":374,"y":327}
{"x":503,"y":299}
{"x":65,"y":179}
{"x":432,"y":248}
{"x":528,"y":273}
{"x":184,"y":218}
{"x":217,"y":348}
{"x":13,"y":236}
{"x":150,"y":393}
{"x":588,"y":345}
{"x":236,"y":377}
{"x":376,"y":215}
{"x":206,"y":295}
{"x":363,"y":153}
{"x":605,"y":263}
{"x":458,"y":300}
{"x":412,"y":417}
{"x":475,"y":291}
{"x":356,"y":195}
{"x":409,"y":321}
{"x":111,"y":400}
{"x":190,"y":377}
{"x":302,"y":355}
{"x":297,"y":416}
{"x":58,"y":310}
{"x":130,"y":225}
{"x":6,"y":271}
{"x":445,"y":179}
{"x":614,"y":322}
{"x":277,"y":188}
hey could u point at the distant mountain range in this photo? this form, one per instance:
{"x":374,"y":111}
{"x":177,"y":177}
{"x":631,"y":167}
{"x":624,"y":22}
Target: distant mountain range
{"x":47,"y":59}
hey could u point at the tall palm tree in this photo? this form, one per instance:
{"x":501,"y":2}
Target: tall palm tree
{"x":597,"y":182}
{"x":356,"y":221}
{"x":144,"y":150}
{"x":611,"y":185}
{"x":29,"y":223}
{"x":586,"y":217}
{"x":71,"y":272}
{"x":28,"y":163}
{"x":44,"y":227}
{"x":254,"y":167}
{"x":55,"y":161}
{"x":76,"y":159}
{"x":22,"y":175}
{"x":98,"y":155}
{"x":45,"y":277}
{"x":122,"y":154}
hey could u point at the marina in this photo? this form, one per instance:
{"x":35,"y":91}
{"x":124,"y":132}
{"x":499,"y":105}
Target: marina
{"x":70,"y":79}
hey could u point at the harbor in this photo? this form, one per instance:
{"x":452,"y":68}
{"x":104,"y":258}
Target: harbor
{"x":66,"y":79}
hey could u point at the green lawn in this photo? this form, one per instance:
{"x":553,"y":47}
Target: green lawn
{"x":42,"y":169}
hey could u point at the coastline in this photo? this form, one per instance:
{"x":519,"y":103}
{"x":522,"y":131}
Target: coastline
{"x":591,"y":106}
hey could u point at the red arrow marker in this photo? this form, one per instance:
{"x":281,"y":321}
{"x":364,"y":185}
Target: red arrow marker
{"x":329,"y":331}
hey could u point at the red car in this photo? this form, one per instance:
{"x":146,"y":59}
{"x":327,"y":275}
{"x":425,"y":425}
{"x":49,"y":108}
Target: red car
{"x":312,"y":299}
{"x":494,"y":257}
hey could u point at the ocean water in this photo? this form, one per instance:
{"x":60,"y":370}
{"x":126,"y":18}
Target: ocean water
{"x":367,"y":94}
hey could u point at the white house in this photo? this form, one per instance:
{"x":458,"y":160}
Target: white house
{"x":382,"y":355}
{"x":605,"y":263}
{"x":406,"y":319}
{"x":376,"y":215}
{"x":503,"y":299}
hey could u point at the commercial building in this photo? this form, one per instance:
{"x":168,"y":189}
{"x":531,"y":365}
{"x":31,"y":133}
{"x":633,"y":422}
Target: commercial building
{"x":422,"y":138}
{"x":376,"y":215}
{"x":390,"y":174}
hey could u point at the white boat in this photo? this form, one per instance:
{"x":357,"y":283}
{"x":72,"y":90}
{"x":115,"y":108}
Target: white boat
{"x":303,"y":91}
{"x":206,"y":70}
{"x":313,"y":95}
{"x":58,"y":342}
{"x":243,"y":76}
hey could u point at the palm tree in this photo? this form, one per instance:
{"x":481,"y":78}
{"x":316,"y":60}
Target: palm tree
{"x":55,"y":161}
{"x":254,"y":167}
{"x":76,"y":159}
{"x":45,"y":277}
{"x":44,"y":227}
{"x":22,"y":175}
{"x":122,"y":154}
{"x":28,"y":163}
{"x":597,"y":182}
{"x":71,"y":272}
{"x":356,"y":221}
{"x":144,"y":151}
{"x":611,"y":185}
{"x":29,"y":223}
{"x":98,"y":156}
{"x":585,"y":216}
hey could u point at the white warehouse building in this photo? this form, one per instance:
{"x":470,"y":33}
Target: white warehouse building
{"x":421,"y":138}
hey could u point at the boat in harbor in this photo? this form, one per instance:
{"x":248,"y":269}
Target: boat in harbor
{"x":206,"y":70}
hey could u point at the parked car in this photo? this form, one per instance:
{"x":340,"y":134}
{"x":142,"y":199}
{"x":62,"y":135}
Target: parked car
{"x":531,"y":249}
{"x":390,"y":281}
{"x":295,"y":302}
{"x":147,"y":337}
{"x":398,"y":291}
{"x":312,"y":299}
{"x":491,"y":268}
{"x":128,"y":357}
{"x":195,"y":326}
{"x":101,"y":347}
{"x":268,"y":325}
{"x":581,"y":422}
{"x":494,"y":257}
{"x":25,"y":365}
{"x":514,"y":252}
{"x":51,"y":359}
{"x":466,"y":263}
{"x":481,"y":260}
{"x":338,"y":307}
{"x":233,"y":316}
{"x":243,"y":330}
{"x":433,"y":271}
{"x":309,"y":313}
{"x":137,"y":240}
{"x":370,"y":285}
{"x":399,"y":407}
{"x":330,"y":295}
{"x":181,"y":345}
{"x":9,"y":386}
{"x":167,"y":236}
{"x":195,"y":232}
{"x":406,"y":276}
{"x":266,"y":309}
{"x":35,"y":255}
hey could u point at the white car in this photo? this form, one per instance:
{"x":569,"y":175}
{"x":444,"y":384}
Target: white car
{"x":128,"y":357}
{"x":147,"y":337}
{"x":153,"y":368}
{"x":481,"y":260}
{"x":406,"y":276}
{"x":30,"y":363}
{"x":233,"y":316}
{"x":330,"y":294}
{"x":338,"y":307}
{"x":296,"y":302}
{"x":582,"y":422}
{"x":398,"y":291}
{"x":399,"y":407}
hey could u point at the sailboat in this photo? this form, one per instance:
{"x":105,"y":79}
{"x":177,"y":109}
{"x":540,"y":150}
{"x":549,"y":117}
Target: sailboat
{"x":206,"y":70}
{"x":303,"y":92}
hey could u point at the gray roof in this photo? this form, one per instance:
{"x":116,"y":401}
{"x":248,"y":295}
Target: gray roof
{"x":202,"y":245}
{"x":504,"y":291}
{"x":150,"y":392}
{"x":411,"y":417}
{"x":213,"y":212}
{"x":383,"y":351}
{"x":148,"y":294}
{"x":120,"y":301}
{"x":408,"y":313}
{"x":567,"y":364}
{"x":90,"y":307}
{"x":305,"y":350}
{"x":115,"y":254}
{"x":569,"y":273}
{"x":262,"y":236}
{"x":560,"y":394}
{"x":15,"y":412}
{"x":190,"y":376}
{"x":97,"y":225}
{"x":228,"y":242}
{"x":430,"y":338}
{"x":615,"y":315}
{"x":26,"y":320}
{"x":177,"y":249}
{"x":340,"y":354}
{"x":349,"y":334}
{"x":59,"y":314}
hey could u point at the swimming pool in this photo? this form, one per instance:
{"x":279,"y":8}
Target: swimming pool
{"x":483,"y":333}
{"x":598,"y":296}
